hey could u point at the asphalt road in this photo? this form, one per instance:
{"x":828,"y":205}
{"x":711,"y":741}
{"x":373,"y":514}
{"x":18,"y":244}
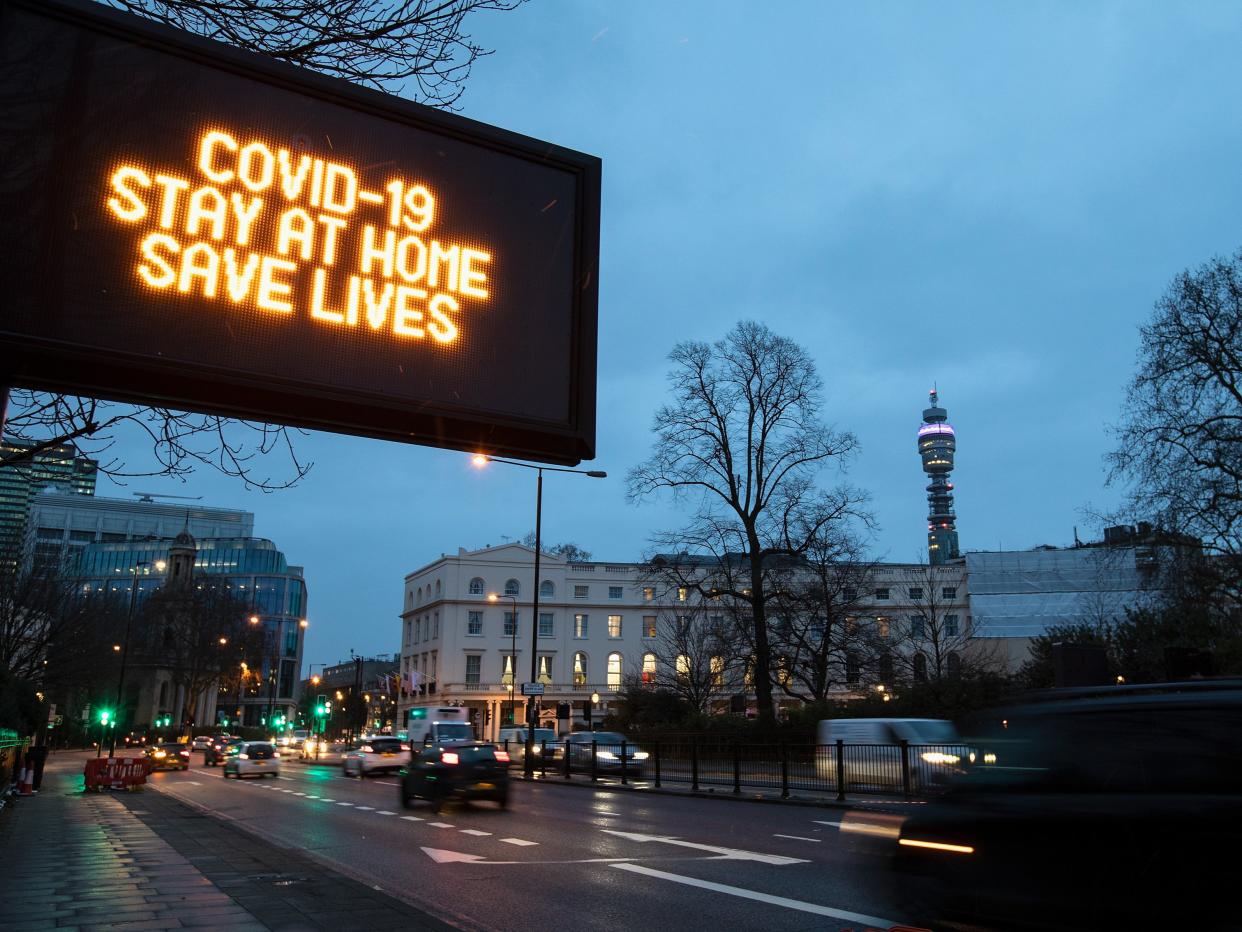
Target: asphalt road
{"x":565,"y":857}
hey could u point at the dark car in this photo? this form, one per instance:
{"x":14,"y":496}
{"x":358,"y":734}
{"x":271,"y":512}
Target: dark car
{"x":168,"y":756}
{"x":464,"y":770}
{"x":611,"y":751}
{"x":216,"y":752}
{"x":1097,"y":810}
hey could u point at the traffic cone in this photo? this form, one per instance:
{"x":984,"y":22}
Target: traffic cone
{"x":25,"y":786}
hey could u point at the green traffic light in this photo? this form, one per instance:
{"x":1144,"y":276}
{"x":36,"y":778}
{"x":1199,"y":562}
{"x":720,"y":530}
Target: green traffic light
{"x":104,"y":717}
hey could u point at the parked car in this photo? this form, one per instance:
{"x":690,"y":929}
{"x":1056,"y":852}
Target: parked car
{"x":873,"y":753}
{"x":1102,"y":809}
{"x":440,"y":772}
{"x":217,"y":751}
{"x":168,"y":756}
{"x":247,"y":758}
{"x":374,"y":754}
{"x":513,"y":740}
{"x":610,"y":748}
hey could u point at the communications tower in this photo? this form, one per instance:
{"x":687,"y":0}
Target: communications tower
{"x":937,"y":445}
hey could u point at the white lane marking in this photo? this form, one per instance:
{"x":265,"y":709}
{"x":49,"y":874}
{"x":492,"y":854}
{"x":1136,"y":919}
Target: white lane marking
{"x":440,"y":856}
{"x":286,"y":791}
{"x":364,"y":807}
{"x":518,"y":841}
{"x":384,"y":783}
{"x":731,"y":854}
{"x":309,"y":796}
{"x":474,"y":831}
{"x":823,"y":822}
{"x":384,"y":812}
{"x":326,"y":800}
{"x":797,"y":837}
{"x":344,"y":804}
{"x":411,"y":818}
{"x":745,"y":894}
{"x":439,"y":825}
{"x":299,"y":794}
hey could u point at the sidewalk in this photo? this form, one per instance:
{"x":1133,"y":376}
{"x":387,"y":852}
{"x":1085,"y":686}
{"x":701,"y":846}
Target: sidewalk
{"x":143,"y":860}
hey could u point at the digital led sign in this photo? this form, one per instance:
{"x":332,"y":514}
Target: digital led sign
{"x":191,"y":225}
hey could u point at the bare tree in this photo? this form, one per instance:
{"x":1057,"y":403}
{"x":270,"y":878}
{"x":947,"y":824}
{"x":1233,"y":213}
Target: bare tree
{"x":741,"y":442}
{"x":696,"y":655}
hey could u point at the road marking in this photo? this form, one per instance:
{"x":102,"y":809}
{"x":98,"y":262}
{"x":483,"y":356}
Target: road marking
{"x":474,"y":831}
{"x":440,"y":856}
{"x":365,"y":807}
{"x":309,"y":796}
{"x":443,"y":856}
{"x":814,"y":908}
{"x":344,"y":804}
{"x":286,"y":791}
{"x":518,"y":841}
{"x":411,"y":818}
{"x":797,"y":837}
{"x":299,"y":794}
{"x":731,"y":854}
{"x":384,"y":812}
{"x":439,"y":825}
{"x":822,"y":822}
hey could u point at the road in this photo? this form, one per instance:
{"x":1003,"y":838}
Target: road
{"x":565,"y":857}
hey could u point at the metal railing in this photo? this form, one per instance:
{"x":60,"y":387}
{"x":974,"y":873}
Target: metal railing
{"x":901,"y":769}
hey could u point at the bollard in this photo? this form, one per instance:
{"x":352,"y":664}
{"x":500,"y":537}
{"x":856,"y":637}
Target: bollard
{"x":565,"y":753}
{"x":905,"y":767}
{"x":543,"y":757}
{"x":840,"y":770}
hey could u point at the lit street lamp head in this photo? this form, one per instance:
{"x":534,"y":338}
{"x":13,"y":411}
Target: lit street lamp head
{"x":254,"y":619}
{"x":480,"y":459}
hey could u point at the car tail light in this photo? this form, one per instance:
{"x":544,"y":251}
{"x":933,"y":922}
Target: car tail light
{"x":449,"y":757}
{"x":502,"y":756}
{"x":184,"y":753}
{"x":275,"y":754}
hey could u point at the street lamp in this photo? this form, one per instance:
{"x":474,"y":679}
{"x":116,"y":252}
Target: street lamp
{"x":129,"y":621}
{"x":480,"y":460}
{"x":594,"y":703}
{"x":493,"y":597}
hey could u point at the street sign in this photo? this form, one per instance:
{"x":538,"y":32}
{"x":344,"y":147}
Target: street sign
{"x":532,"y":689}
{"x":190,"y":225}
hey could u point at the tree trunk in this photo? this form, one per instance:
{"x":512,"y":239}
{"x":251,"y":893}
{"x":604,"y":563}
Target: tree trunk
{"x":763,"y":654}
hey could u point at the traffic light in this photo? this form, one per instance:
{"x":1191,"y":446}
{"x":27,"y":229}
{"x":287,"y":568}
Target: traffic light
{"x":321,"y":706}
{"x":105,"y":717}
{"x":487,"y":714}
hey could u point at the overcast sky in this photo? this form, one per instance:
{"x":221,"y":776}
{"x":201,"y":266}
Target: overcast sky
{"x":984,"y":196}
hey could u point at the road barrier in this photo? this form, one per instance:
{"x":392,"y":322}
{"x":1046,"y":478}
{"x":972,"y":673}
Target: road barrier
{"x":117,"y":773}
{"x":901,"y":769}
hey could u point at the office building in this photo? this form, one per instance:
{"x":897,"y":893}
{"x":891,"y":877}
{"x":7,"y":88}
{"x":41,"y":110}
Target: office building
{"x":60,"y":467}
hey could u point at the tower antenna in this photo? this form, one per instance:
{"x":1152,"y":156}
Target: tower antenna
{"x":937,"y":443}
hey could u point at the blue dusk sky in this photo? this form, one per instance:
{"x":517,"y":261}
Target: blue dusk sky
{"x":984,"y":196}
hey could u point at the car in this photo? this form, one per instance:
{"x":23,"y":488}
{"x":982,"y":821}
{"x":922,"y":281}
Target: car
{"x":513,"y":740}
{"x":1101,"y":808}
{"x":440,"y":772}
{"x":374,"y":754}
{"x":318,"y":750}
{"x":168,"y":756}
{"x":252,"y":758}
{"x":611,"y":750}
{"x":872,"y":752}
{"x":217,"y":751}
{"x":201,"y":743}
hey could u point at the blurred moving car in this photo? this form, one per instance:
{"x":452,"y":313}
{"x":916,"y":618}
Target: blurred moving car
{"x":201,"y":742}
{"x":324,"y":752}
{"x":611,"y":748}
{"x":440,"y":772}
{"x":1098,"y":808}
{"x":168,"y":756}
{"x":374,"y":754}
{"x":217,"y":751}
{"x":513,"y":739}
{"x":247,"y":758}
{"x":872,"y":753}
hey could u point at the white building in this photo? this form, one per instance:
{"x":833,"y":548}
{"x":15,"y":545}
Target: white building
{"x":598,"y":625}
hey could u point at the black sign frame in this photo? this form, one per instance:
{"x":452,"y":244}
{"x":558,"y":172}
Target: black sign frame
{"x":58,"y":366}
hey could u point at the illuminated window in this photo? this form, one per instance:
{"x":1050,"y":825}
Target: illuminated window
{"x":614,"y":626}
{"x":477,"y":586}
{"x":506,"y":669}
{"x":474,"y":623}
{"x":649,"y":626}
{"x":718,"y":668}
{"x":580,"y":669}
{"x":649,"y":667}
{"x":682,"y":593}
{"x":614,"y":671}
{"x":682,"y":666}
{"x":581,"y":626}
{"x":512,"y":587}
{"x":648,"y":594}
{"x":881,"y":626}
{"x":545,"y":669}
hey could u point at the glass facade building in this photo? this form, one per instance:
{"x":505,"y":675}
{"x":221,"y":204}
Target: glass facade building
{"x":61,"y":466}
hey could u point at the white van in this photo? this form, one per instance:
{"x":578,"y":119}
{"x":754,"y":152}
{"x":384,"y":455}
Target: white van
{"x":872,"y":752}
{"x":446,"y":724}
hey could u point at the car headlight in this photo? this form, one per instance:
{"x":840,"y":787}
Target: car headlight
{"x":641,"y":755}
{"x":939,"y":757}
{"x":243,"y":757}
{"x":989,"y":758}
{"x":607,"y":755}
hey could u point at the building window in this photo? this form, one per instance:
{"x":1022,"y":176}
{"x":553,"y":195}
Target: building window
{"x":682,"y":593}
{"x":545,"y":669}
{"x":717,"y":666}
{"x":614,"y":671}
{"x":682,"y":667}
{"x":849,"y":595}
{"x":881,"y":593}
{"x":477,"y":585}
{"x":546,"y":589}
{"x":474,"y":663}
{"x":881,"y":626}
{"x":683,"y":625}
{"x":407,"y":631}
{"x":547,"y":626}
{"x":614,"y":626}
{"x":886,"y":668}
{"x":510,"y":624}
{"x":916,"y":626}
{"x":616,"y":592}
{"x":580,"y":669}
{"x":949,"y":592}
{"x":955,"y":664}
{"x":649,"y":626}
{"x":649,"y":667}
{"x":581,"y":627}
{"x":950,"y":626}
{"x":851,"y":669}
{"x":582,"y":592}
{"x":512,"y":587}
{"x":920,"y":667}
{"x":507,"y":662}
{"x":916,"y":592}
{"x":474,"y":623}
{"x":648,"y":594}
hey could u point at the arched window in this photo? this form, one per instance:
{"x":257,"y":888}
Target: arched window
{"x":649,"y":667}
{"x":886,"y":668}
{"x":506,"y":669}
{"x":546,"y":589}
{"x":580,"y":669}
{"x":717,"y":669}
{"x":955,"y":664}
{"x":477,"y":585}
{"x":437,"y":588}
{"x":614,"y":671}
{"x":419,"y":598}
{"x":682,"y":666}
{"x":512,"y":587}
{"x":920,"y":667}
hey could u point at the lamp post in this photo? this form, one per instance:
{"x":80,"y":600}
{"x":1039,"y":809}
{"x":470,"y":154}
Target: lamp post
{"x":594,"y":703}
{"x":493,"y":597}
{"x":129,"y":622}
{"x":480,"y":460}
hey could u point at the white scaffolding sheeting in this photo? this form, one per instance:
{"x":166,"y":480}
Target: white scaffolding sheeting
{"x":1024,"y":593}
